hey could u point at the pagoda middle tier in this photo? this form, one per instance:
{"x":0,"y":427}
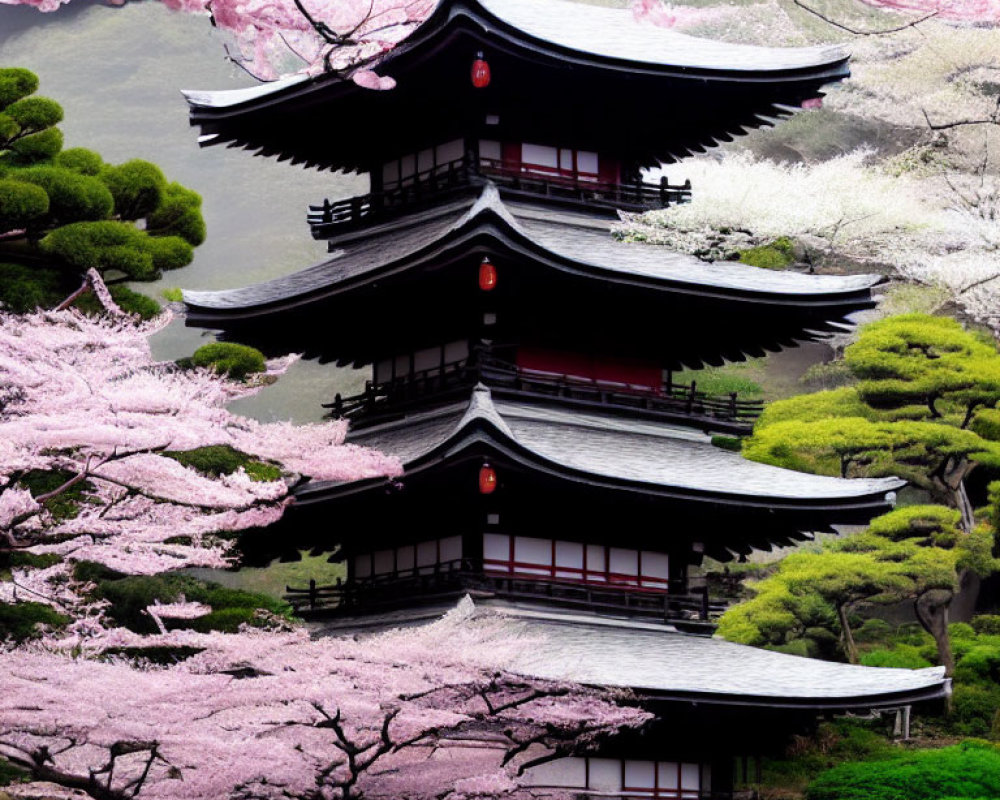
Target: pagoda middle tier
{"x":535,"y":301}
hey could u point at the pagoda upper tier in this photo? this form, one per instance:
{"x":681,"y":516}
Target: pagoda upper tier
{"x":414,"y":281}
{"x":579,"y":77}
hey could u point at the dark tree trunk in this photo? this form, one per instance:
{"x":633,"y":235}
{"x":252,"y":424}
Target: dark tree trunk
{"x":932,"y":611}
{"x":846,"y":636}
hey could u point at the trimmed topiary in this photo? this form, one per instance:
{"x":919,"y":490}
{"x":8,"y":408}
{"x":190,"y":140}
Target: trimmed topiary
{"x":15,"y":83}
{"x":179,"y":214}
{"x":80,"y":159}
{"x":110,"y":245}
{"x":129,"y":301}
{"x":968,"y":770}
{"x":903,"y":656}
{"x":72,"y":197}
{"x":226,"y":358}
{"x":21,"y":204}
{"x":137,"y":187}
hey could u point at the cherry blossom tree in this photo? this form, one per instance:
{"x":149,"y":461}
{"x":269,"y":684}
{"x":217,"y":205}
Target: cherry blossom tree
{"x":415,"y":713}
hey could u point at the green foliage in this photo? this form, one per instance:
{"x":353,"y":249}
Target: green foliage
{"x":235,"y":360}
{"x":21,"y":204}
{"x":65,"y":505}
{"x":902,"y":656}
{"x":16,"y":83}
{"x":216,"y":460}
{"x":968,"y":770}
{"x":137,"y":187}
{"x":10,"y":774}
{"x":92,"y":572}
{"x":72,"y":197}
{"x":34,"y":113}
{"x":128,"y":301}
{"x":987,"y":624}
{"x":25,"y":288}
{"x":778,"y":254}
{"x":179,"y":214}
{"x":173,"y":295}
{"x":130,"y":596}
{"x":980,"y":664}
{"x":81,"y":160}
{"x":924,"y":402}
{"x":874,"y":631}
{"x":973,"y":710}
{"x":36,"y":147}
{"x":721,"y":381}
{"x":19,"y":621}
{"x":733,"y":443}
{"x":119,"y":246}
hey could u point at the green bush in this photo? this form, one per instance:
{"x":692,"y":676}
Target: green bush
{"x":35,"y":113}
{"x":733,"y":443}
{"x":130,"y":596}
{"x":179,"y":214}
{"x":23,"y":288}
{"x":904,"y":656}
{"x":129,"y":301}
{"x":137,"y":187}
{"x":973,"y":710}
{"x":968,"y":770}
{"x":778,"y":254}
{"x":221,"y":459}
{"x":173,"y":295}
{"x":19,"y":621}
{"x":980,"y":664}
{"x":16,"y":83}
{"x":21,"y":204}
{"x":874,"y":631}
{"x":111,"y":245}
{"x":988,"y":624}
{"x":235,"y":360}
{"x":72,"y":197}
{"x":81,"y":160}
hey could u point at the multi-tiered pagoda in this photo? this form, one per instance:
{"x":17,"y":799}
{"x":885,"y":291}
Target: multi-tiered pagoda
{"x":523,"y":362}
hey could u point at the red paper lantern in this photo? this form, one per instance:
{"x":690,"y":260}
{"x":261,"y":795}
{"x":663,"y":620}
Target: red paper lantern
{"x":487,"y":275}
{"x":480,"y":72}
{"x":487,"y":479}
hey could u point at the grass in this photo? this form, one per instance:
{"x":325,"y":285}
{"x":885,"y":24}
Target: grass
{"x":272,"y":579}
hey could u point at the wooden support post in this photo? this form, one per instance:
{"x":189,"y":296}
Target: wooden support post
{"x":704,"y":602}
{"x":312,"y":594}
{"x":664,"y":192}
{"x":732,"y":404}
{"x":691,"y":393}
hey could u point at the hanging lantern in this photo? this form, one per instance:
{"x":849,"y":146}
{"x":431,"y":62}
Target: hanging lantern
{"x":487,"y":479}
{"x":487,"y":275}
{"x":480,"y":72}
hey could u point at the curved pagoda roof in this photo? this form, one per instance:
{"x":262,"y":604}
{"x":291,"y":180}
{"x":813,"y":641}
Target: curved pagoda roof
{"x":592,"y":71}
{"x":640,"y":459}
{"x":315,"y":310}
{"x":667,"y":665}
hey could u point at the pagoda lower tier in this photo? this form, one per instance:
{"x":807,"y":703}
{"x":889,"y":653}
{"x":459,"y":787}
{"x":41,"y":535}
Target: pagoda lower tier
{"x":574,"y":509}
{"x":717,"y":707}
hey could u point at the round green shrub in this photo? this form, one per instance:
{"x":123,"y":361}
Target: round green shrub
{"x":987,"y":624}
{"x":902,"y":656}
{"x":15,"y":83}
{"x":137,"y":187}
{"x":169,"y":252}
{"x":980,"y":664}
{"x":21,"y":204}
{"x":40,"y":146}
{"x":235,"y":360}
{"x":968,"y":770}
{"x":974,"y":709}
{"x":81,"y":160}
{"x":8,"y":129}
{"x":179,"y":214}
{"x":874,"y":631}
{"x":35,"y":113}
{"x":72,"y":197}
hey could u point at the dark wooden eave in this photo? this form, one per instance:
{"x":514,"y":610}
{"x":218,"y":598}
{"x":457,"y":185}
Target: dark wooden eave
{"x":566,"y":74}
{"x":647,"y":299}
{"x":740,"y":504}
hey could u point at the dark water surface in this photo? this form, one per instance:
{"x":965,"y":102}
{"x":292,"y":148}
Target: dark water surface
{"x":118,"y":73}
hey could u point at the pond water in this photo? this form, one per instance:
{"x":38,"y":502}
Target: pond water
{"x":117,"y":73}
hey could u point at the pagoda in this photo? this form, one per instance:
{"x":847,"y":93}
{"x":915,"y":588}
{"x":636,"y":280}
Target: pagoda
{"x":523,"y":365}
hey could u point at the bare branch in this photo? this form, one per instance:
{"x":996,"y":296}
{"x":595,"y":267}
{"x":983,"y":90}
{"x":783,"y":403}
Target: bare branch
{"x":857,"y":32}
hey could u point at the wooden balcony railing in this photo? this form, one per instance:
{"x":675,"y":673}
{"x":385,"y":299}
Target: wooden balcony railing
{"x":538,"y":184}
{"x":679,"y":604}
{"x":672,"y":401}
